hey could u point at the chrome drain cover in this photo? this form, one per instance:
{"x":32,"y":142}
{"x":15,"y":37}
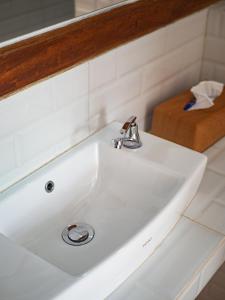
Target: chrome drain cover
{"x":78,"y":234}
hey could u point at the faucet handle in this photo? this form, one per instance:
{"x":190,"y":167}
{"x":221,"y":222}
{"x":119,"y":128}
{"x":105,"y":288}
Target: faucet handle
{"x":128,"y":124}
{"x":117,"y":143}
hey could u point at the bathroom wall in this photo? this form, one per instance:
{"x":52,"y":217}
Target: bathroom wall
{"x":214,"y":53}
{"x":42,"y":121}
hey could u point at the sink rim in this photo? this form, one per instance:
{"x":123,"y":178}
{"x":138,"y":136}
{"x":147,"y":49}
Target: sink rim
{"x":129,"y":257}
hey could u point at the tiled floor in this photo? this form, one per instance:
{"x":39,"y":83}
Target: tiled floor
{"x":215,"y":289}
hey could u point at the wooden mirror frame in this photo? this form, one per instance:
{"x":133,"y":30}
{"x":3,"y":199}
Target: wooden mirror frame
{"x":31,"y":60}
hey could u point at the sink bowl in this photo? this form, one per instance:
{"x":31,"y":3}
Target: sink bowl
{"x":131,"y":199}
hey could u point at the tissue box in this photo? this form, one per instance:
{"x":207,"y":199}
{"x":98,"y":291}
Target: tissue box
{"x":197,"y":129}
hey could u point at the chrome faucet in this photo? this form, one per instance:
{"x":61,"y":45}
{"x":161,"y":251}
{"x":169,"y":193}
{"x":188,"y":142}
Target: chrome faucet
{"x":130,"y":137}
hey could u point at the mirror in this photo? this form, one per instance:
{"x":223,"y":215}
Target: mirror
{"x":20,"y":17}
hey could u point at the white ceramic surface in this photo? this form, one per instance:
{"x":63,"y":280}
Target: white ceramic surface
{"x":172,"y":272}
{"x":132,"y":198}
{"x":208,"y":207}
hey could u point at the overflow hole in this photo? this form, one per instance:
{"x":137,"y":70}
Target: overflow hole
{"x":49,"y":187}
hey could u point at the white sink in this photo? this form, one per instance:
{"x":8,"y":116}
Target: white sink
{"x":131,"y":198}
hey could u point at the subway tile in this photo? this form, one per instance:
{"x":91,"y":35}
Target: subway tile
{"x":46,"y":133}
{"x":7,"y":154}
{"x":220,"y":72}
{"x":24,"y":107}
{"x":181,"y":81}
{"x":120,"y":114}
{"x":214,"y":22}
{"x":212,"y":152}
{"x":218,"y":164}
{"x":176,"y":61}
{"x":220,"y":144}
{"x":113,"y":95}
{"x":211,"y":185}
{"x":186,"y":30}
{"x":220,"y":197}
{"x":102,"y":70}
{"x":139,"y":52}
{"x":208,"y":71}
{"x":140,"y":106}
{"x":214,"y":217}
{"x":70,"y":85}
{"x":38,"y":101}
{"x":212,"y":266}
{"x":222,"y":27}
{"x":12,"y":114}
{"x":215,"y":49}
{"x":149,"y":100}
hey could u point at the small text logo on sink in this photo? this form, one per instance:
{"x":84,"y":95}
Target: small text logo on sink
{"x":147,"y":242}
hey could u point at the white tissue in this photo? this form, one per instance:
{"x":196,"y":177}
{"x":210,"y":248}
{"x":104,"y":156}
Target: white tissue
{"x":205,"y":93}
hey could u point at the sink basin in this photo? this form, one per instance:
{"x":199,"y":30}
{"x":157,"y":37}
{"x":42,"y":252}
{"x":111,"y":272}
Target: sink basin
{"x":131,"y":199}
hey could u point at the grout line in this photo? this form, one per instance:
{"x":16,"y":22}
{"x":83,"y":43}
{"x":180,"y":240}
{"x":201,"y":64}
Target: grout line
{"x":172,"y":76}
{"x":200,"y":269}
{"x":89,"y":94}
{"x":214,"y":61}
{"x":203,"y":225}
{"x":211,"y":60}
{"x":214,"y":155}
{"x":204,"y":46}
{"x":216,"y":171}
{"x":166,"y":55}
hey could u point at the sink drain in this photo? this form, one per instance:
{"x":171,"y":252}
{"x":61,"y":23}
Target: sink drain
{"x":78,"y":234}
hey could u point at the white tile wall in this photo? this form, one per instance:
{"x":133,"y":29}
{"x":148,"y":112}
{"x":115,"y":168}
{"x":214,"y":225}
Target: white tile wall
{"x":213,"y":67}
{"x":104,"y":64}
{"x":47,"y":118}
{"x":208,"y":207}
{"x":140,"y":52}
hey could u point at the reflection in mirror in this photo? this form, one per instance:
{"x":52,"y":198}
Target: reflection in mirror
{"x":19,"y":17}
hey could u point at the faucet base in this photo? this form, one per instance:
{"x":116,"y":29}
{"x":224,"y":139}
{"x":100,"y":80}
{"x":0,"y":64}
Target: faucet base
{"x":131,"y":144}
